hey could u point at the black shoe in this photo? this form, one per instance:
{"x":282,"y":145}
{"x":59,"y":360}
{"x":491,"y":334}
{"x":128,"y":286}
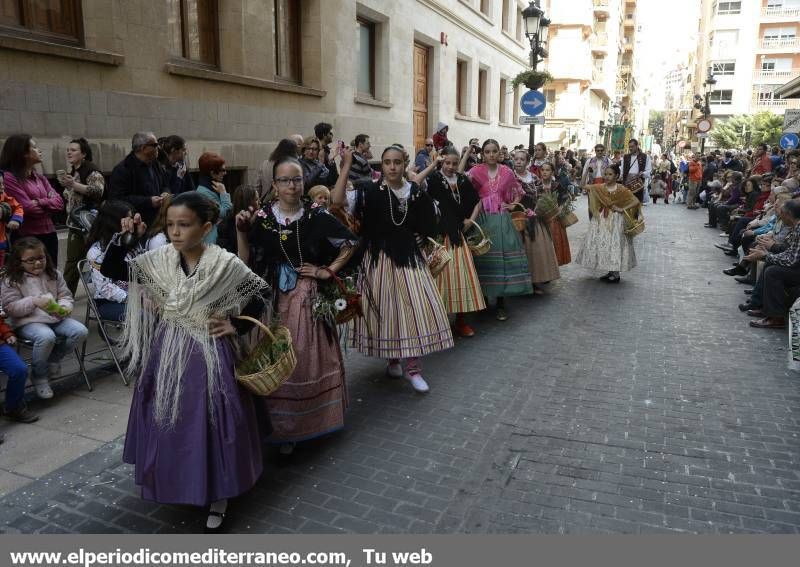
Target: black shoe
{"x":724,"y":247}
{"x":710,"y":225}
{"x":748,"y":292}
{"x":744,"y":280}
{"x":745,"y":306}
{"x":606,"y":277}
{"x":731,"y":252}
{"x":737,"y":271}
{"x":22,"y":414}
{"x":614,"y":279}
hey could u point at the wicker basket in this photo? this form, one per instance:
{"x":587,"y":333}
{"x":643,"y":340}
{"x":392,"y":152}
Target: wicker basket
{"x":633,"y":227}
{"x":270,"y":376}
{"x":568,"y":220}
{"x":478,"y":243}
{"x":519,"y":216}
{"x":438,"y":257}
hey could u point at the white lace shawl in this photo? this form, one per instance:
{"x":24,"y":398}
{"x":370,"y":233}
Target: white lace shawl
{"x":163,"y":301}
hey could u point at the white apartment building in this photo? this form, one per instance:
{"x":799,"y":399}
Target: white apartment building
{"x":751,"y":47}
{"x":591,"y":59}
{"x":236,"y":76}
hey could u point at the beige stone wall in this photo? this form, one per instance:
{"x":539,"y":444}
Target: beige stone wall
{"x":126,"y":80}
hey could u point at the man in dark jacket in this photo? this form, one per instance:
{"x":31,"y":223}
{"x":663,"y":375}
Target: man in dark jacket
{"x":137,"y":179}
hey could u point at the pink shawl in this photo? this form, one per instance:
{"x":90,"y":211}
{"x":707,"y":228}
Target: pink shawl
{"x":505,"y":188}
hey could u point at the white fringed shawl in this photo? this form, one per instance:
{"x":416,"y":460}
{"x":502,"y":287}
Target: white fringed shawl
{"x":163,"y":301}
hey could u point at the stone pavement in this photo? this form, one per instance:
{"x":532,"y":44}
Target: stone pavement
{"x":644,"y":407}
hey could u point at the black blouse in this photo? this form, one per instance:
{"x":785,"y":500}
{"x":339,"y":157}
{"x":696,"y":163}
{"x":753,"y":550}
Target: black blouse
{"x":387,"y":227}
{"x":274,"y":244}
{"x":454,"y":206}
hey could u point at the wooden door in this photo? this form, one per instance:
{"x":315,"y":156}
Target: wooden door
{"x":420,"y":96}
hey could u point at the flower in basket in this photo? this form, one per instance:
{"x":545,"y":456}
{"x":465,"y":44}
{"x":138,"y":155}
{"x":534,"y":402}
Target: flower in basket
{"x":340,"y":304}
{"x":530,"y":213}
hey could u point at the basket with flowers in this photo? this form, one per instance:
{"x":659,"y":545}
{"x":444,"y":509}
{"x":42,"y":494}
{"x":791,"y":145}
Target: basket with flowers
{"x":337,"y":301}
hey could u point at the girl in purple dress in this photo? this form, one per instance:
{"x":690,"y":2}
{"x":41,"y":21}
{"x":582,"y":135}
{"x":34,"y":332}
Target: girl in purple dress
{"x":192,"y":432}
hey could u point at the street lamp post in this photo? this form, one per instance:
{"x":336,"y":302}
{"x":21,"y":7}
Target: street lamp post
{"x":702,"y":104}
{"x":536,"y":27}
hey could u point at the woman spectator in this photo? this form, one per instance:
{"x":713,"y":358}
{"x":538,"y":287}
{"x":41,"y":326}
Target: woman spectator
{"x":314,"y":171}
{"x":286,"y":148}
{"x":212,"y":172}
{"x":84,"y":188}
{"x":172,"y":157}
{"x":156,"y":234}
{"x":19,"y":157}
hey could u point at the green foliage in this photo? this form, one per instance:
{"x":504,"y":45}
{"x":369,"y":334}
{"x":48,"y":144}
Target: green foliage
{"x":532,"y":79}
{"x":747,"y":130}
{"x":655,"y":124}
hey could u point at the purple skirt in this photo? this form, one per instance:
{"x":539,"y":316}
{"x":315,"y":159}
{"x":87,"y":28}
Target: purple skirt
{"x":194,"y":462}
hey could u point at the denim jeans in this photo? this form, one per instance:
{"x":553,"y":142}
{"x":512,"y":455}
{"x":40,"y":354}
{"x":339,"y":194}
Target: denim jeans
{"x":17,"y":372}
{"x":52,"y":342}
{"x":111,"y":310}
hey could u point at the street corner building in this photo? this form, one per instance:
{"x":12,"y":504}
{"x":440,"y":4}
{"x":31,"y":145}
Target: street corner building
{"x":236,"y":76}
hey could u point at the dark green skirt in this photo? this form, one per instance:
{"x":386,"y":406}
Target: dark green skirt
{"x":503,"y":270}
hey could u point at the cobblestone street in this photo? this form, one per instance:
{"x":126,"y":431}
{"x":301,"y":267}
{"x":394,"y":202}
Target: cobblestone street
{"x":644,"y":407}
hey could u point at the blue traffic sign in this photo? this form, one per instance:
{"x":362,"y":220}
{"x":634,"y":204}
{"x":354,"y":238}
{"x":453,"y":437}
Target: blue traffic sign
{"x":790,"y":141}
{"x":532,"y":103}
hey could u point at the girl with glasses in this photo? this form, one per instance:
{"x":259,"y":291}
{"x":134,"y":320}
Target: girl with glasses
{"x":299,"y":248}
{"x":36,"y":296}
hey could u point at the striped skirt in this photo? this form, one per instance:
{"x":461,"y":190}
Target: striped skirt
{"x":312,"y":401}
{"x":403,"y":312}
{"x":503,"y":270}
{"x":458,"y":282}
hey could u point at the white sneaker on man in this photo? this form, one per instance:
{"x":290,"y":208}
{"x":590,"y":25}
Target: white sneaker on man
{"x":418,"y":383}
{"x":394,"y":370}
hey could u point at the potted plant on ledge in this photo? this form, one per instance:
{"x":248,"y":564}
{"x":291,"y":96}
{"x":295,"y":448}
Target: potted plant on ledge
{"x":534,"y":80}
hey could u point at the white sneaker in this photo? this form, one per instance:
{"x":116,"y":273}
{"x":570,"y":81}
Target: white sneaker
{"x":43,"y":390}
{"x":394,"y":370}
{"x":418,"y":383}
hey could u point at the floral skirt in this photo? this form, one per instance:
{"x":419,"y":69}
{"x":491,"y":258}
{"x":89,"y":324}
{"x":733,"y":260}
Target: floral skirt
{"x":403,"y":312}
{"x":458,"y":282}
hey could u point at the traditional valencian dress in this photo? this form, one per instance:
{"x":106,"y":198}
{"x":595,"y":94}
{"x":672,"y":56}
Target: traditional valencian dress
{"x":312,"y":401}
{"x":458,"y":282}
{"x":404,"y":316}
{"x":503,"y":271}
{"x":539,"y":248}
{"x":192,"y":431}
{"x":557,"y":230}
{"x":606,"y":246}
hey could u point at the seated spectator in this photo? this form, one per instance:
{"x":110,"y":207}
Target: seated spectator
{"x":156,"y":234}
{"x":172,"y":158}
{"x":781,"y":271}
{"x":210,"y":185}
{"x":137,"y":179}
{"x":19,"y":158}
{"x":109,"y":295}
{"x":244,"y":197}
{"x":11,"y":216}
{"x":36,"y":296}
{"x":15,"y":368}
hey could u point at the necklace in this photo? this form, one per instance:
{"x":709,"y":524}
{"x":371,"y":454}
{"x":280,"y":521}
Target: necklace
{"x":299,"y":252}
{"x":403,"y":207}
{"x":454,"y":190}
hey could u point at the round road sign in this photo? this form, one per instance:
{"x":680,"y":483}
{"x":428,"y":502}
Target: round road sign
{"x":704,"y":125}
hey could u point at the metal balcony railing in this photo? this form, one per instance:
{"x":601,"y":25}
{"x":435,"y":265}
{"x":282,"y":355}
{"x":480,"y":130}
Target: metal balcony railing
{"x":780,"y":12}
{"x":775,"y":74}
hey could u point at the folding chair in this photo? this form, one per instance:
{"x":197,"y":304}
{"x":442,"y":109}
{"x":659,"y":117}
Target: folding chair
{"x":93,"y":314}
